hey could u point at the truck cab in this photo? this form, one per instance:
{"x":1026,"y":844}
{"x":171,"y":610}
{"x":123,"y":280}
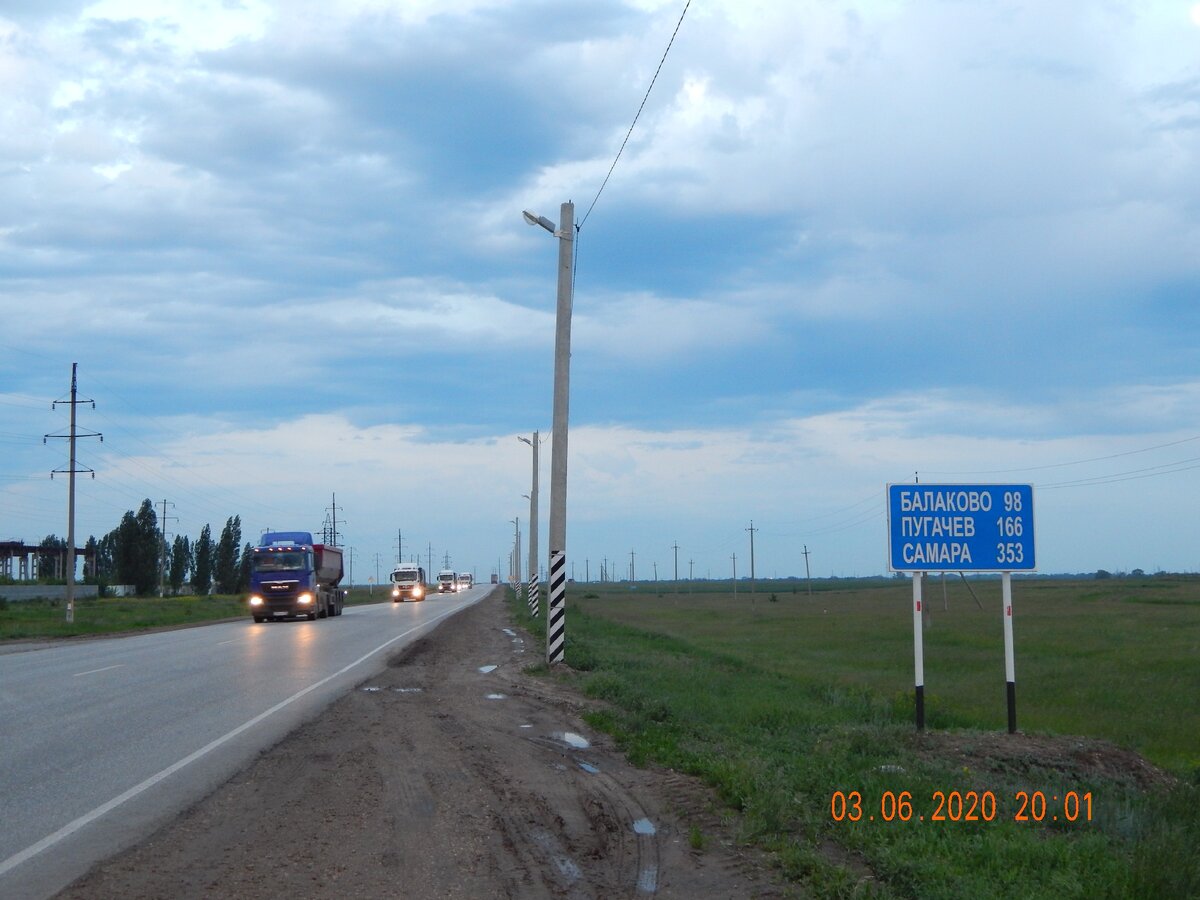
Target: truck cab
{"x":447,"y":581}
{"x":408,"y":582}
{"x":464,"y":580}
{"x":292,"y":576}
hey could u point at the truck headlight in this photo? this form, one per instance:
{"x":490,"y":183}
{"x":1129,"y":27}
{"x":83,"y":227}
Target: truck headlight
{"x":304,"y":599}
{"x":395,"y":592}
{"x":256,"y":600}
{"x":417,"y":592}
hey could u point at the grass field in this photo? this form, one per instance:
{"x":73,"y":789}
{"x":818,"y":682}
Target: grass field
{"x":780,"y":704}
{"x":110,"y":615}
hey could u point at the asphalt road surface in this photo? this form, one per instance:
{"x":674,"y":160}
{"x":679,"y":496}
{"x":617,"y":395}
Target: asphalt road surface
{"x":101,"y":741}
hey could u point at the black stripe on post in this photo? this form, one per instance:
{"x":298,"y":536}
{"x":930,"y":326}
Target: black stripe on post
{"x":1012,"y":706}
{"x":556,"y":635}
{"x":533,"y":596}
{"x":920,"y":707}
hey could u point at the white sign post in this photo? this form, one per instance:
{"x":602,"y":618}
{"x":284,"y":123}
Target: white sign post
{"x":961,"y":528}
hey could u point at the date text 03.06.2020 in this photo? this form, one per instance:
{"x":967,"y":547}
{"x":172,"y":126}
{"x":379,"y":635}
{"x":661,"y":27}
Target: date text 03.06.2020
{"x":963,"y":806}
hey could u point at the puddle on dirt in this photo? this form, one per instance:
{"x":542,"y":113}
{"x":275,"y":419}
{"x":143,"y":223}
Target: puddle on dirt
{"x":647,"y":882}
{"x":486,"y":669}
{"x":567,"y":868}
{"x":571,"y":739}
{"x":497,"y":696}
{"x":565,"y":865}
{"x":408,"y":690}
{"x":509,"y":632}
{"x":644,"y":826}
{"x":371,"y":690}
{"x":526,"y":726}
{"x":588,"y":767}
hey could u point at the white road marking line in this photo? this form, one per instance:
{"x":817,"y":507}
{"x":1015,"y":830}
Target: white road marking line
{"x":94,"y":671}
{"x":87,"y":818}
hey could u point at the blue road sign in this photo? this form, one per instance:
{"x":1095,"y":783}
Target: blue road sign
{"x":960,"y":528}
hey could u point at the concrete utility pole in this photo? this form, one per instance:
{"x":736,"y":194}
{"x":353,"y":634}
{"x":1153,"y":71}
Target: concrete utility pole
{"x":675,"y":547}
{"x":516,"y":549}
{"x":631,"y":571}
{"x":399,"y":545}
{"x":691,"y":562}
{"x":350,"y":571}
{"x":753,"y":585}
{"x":162,"y":556}
{"x":556,"y":634}
{"x":429,"y":560}
{"x":734,"y":558}
{"x":533,"y":509}
{"x":71,"y":469}
{"x":807,"y":571}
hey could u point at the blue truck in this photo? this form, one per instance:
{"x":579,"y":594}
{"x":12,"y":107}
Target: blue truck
{"x":292,"y":576}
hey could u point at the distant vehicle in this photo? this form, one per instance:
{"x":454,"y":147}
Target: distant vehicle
{"x":447,"y":581}
{"x":464,"y":580}
{"x":408,"y":582}
{"x":495,"y":578}
{"x":291,"y":576}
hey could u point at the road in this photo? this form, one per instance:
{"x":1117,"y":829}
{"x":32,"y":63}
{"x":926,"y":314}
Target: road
{"x":101,"y":741}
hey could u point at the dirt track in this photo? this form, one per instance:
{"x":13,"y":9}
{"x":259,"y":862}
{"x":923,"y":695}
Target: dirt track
{"x":441,"y":778}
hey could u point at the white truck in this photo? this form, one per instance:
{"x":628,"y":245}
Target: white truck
{"x":447,"y":581}
{"x":465,"y":581}
{"x":408,"y":582}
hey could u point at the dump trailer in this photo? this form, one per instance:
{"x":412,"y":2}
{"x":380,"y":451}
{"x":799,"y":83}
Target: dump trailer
{"x":291,"y":576}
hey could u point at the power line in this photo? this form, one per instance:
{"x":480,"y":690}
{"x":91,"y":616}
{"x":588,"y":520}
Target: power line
{"x":636,"y":116}
{"x":1078,"y":462}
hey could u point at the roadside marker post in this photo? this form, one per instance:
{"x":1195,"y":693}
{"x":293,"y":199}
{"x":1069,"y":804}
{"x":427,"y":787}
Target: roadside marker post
{"x":534,"y":605}
{"x":556,"y":613}
{"x":918,"y":650}
{"x":1010,"y":670}
{"x":962,"y":528}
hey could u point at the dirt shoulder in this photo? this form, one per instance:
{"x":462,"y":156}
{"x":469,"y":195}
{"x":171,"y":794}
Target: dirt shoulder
{"x":452,"y":774}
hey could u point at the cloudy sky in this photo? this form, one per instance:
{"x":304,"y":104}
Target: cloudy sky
{"x":847,"y":242}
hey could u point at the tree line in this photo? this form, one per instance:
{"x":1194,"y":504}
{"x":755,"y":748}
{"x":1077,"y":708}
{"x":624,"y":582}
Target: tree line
{"x":132,"y":553}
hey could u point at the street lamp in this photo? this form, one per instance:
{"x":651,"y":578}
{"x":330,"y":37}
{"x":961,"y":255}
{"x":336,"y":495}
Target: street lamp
{"x":556,"y":631}
{"x":532,"y":595}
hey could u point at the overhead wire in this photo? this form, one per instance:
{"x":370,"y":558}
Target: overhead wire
{"x":637,"y":115}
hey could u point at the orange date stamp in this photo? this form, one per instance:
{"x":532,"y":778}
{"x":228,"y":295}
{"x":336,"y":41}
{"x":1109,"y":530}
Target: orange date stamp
{"x":962,"y":806}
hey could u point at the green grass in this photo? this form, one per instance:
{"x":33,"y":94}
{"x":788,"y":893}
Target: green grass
{"x":109,"y":615}
{"x":779,"y":704}
{"x":47,"y":618}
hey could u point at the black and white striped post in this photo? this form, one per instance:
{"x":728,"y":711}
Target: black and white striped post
{"x":534,"y":606}
{"x":556,"y":634}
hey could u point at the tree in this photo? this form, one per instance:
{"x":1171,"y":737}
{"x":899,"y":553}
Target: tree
{"x":91,"y":554}
{"x":202,"y":561}
{"x":135,"y":549}
{"x":181,"y":562}
{"x":52,"y":558}
{"x":244,"y":568}
{"x":227,"y":557}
